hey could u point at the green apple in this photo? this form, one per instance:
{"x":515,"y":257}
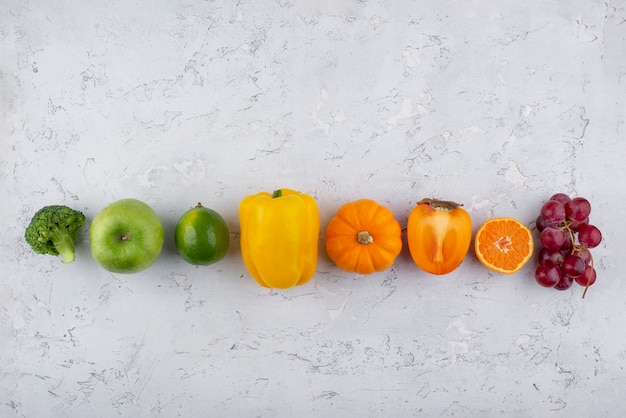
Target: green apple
{"x":126,"y":236}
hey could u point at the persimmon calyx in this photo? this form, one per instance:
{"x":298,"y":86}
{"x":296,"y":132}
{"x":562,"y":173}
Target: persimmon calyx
{"x":442,"y":205}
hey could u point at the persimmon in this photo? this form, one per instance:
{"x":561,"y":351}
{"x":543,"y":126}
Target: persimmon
{"x":363,"y":237}
{"x":439,"y":234}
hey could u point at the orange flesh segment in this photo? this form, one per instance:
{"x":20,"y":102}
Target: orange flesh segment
{"x":504,"y":245}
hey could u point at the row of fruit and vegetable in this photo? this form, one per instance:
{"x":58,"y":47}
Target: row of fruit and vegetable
{"x":280,"y":234}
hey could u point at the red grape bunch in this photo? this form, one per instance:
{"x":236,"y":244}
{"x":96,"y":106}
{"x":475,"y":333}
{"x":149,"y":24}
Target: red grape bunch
{"x":566,"y":236}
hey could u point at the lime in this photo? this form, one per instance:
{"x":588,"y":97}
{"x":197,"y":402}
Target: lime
{"x":202,"y":236}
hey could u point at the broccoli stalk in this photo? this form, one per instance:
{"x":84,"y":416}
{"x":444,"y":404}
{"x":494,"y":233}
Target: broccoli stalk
{"x":63,"y":243}
{"x":53,"y":231}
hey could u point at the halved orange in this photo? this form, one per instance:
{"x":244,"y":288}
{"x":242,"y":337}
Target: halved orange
{"x":503,"y":245}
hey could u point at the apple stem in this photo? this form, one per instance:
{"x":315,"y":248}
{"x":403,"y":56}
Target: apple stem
{"x":125,"y":237}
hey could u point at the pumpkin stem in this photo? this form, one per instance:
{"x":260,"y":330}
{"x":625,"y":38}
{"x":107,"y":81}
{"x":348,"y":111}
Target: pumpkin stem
{"x":364,"y":238}
{"x":443,"y":205}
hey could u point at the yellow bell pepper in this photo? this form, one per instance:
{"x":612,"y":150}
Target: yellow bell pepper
{"x":279,"y":237}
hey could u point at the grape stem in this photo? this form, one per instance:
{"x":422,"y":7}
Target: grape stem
{"x":589,"y":279}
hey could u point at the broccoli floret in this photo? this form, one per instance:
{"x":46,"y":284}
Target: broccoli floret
{"x":53,"y":231}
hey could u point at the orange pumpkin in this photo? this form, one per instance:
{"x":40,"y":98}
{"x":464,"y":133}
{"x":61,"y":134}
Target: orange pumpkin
{"x":439,"y":235}
{"x":363,"y":237}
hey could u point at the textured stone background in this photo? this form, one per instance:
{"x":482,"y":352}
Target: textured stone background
{"x":497,"y":105}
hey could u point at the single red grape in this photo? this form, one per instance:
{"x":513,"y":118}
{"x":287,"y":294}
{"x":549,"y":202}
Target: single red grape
{"x":588,"y":277}
{"x":552,"y":238}
{"x":547,"y":256}
{"x":589,"y":236}
{"x":573,"y":266}
{"x":565,"y":283}
{"x":542,"y":224}
{"x":578,"y":209}
{"x":560,"y":197}
{"x":547,"y":275}
{"x":553,"y":212}
{"x":576,"y":226}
